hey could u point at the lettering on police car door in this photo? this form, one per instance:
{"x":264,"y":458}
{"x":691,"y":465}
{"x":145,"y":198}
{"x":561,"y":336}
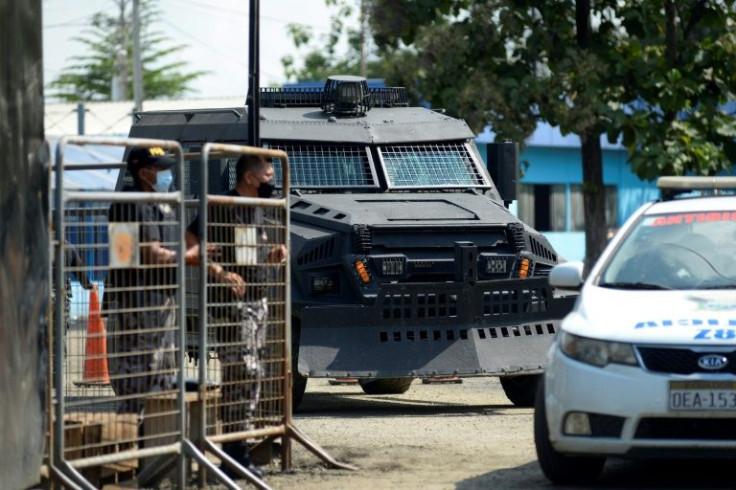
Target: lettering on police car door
{"x":715,"y":333}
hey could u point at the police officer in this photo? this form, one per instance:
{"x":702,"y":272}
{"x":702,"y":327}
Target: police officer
{"x":238,"y":305}
{"x":74,"y":263}
{"x":141,"y":298}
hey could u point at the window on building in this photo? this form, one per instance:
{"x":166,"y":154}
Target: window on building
{"x":544,"y":206}
{"x":577,"y":210}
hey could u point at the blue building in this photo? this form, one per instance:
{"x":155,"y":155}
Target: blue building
{"x":550,"y":190}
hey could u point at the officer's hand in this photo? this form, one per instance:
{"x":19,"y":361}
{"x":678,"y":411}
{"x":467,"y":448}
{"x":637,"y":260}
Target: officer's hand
{"x":213,"y":251}
{"x":278,"y":254}
{"x":90,"y":286}
{"x":191,"y":256}
{"x":237,"y":283}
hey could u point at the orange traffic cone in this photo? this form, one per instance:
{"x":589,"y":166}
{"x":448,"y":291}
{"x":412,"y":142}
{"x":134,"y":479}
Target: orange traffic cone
{"x":95,"y":350}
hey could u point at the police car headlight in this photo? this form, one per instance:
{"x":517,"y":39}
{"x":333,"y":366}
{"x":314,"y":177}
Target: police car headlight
{"x":596,"y":352}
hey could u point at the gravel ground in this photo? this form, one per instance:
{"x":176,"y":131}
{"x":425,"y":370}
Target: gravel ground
{"x":457,"y":436}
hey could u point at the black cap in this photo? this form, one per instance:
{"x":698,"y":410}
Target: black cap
{"x":155,"y":156}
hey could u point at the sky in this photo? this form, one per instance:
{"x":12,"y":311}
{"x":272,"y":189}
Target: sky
{"x":215,"y":32}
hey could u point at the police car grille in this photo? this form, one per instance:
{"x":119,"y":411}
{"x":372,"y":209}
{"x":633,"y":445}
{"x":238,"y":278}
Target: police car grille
{"x":681,"y":361}
{"x":711,"y":429}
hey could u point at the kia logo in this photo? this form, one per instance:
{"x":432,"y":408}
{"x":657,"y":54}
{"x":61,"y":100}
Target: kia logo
{"x":713,"y":362}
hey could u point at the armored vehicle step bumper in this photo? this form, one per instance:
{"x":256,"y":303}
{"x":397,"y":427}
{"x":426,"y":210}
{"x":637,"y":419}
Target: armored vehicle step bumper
{"x":427,"y":329}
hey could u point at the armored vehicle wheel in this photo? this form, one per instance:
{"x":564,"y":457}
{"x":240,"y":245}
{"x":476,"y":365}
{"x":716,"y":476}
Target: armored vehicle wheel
{"x":298,"y":387}
{"x":298,"y":381}
{"x":521,"y":389}
{"x":385,"y":386}
{"x":557,"y":467}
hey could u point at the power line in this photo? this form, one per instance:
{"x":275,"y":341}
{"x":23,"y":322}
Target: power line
{"x":73,"y":22}
{"x":216,"y":50}
{"x":202,"y":43}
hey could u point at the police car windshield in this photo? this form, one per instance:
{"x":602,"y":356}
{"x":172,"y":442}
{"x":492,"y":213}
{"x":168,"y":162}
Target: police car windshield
{"x":676,"y":251}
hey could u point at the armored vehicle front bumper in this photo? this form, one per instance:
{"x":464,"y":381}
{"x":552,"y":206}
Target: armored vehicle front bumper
{"x":429,"y":329}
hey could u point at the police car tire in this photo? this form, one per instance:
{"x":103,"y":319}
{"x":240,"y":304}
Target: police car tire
{"x":385,"y":386}
{"x":557,"y":467}
{"x":521,"y":390}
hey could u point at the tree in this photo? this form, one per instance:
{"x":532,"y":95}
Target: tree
{"x":322,"y":60}
{"x":654,"y":73}
{"x":109,"y":58}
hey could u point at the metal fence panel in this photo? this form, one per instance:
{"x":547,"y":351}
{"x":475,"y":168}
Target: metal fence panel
{"x":138,"y":373}
{"x":245,"y":331}
{"x":118,"y":370}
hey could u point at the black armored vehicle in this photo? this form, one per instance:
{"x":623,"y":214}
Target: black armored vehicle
{"x":406,"y":262}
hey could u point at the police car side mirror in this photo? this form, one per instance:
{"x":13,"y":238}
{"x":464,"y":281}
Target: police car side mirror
{"x":568,"y":275}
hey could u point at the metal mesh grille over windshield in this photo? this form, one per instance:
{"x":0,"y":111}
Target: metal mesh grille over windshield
{"x":325,"y":166}
{"x":446,"y":164}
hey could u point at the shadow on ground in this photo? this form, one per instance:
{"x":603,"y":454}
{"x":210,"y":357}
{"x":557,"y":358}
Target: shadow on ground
{"x":352,"y":404}
{"x":664,"y":474}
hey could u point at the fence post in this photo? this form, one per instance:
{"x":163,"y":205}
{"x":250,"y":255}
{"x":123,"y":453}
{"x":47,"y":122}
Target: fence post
{"x":80,"y":118}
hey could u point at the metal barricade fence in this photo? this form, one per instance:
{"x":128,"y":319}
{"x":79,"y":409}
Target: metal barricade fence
{"x":243,"y":310}
{"x":117,"y":376}
{"x":241,"y":337}
{"x":129,"y":400}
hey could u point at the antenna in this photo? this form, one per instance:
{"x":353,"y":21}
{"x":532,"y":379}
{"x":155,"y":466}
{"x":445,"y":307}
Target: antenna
{"x":253,"y":100}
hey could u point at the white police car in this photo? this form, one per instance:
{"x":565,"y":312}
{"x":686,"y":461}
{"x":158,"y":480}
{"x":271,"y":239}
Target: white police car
{"x":645,"y":364}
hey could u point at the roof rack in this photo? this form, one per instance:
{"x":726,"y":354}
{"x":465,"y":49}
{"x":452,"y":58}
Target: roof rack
{"x":672,"y":186}
{"x":291,"y":97}
{"x":312,"y":96}
{"x":388,"y":96}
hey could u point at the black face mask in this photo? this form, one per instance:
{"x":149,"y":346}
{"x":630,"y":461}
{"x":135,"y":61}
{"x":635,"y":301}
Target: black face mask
{"x":265,"y":190}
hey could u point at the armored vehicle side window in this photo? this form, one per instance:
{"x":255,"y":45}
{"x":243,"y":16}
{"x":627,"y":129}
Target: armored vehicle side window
{"x":436,"y":165}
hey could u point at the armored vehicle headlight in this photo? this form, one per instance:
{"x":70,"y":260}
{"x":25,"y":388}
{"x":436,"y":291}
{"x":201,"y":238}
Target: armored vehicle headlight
{"x":596,"y":352}
{"x":325,"y":283}
{"x":496,"y":265}
{"x":392,"y":266}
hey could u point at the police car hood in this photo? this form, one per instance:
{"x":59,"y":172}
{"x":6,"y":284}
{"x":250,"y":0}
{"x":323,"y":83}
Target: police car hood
{"x":398,"y":209}
{"x":661,"y":317}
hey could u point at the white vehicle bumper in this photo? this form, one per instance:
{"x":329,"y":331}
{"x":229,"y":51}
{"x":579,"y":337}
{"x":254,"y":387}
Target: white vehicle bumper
{"x":640,"y":398}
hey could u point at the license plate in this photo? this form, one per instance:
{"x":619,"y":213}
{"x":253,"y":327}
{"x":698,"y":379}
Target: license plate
{"x":703,"y":395}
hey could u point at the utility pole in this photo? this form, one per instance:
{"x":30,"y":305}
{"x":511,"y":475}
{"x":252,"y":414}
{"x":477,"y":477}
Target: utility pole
{"x":254,"y":90}
{"x":363,"y":63}
{"x":137,"y":67}
{"x":120,"y":79}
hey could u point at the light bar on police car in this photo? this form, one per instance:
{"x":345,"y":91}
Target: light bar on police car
{"x":696,"y":182}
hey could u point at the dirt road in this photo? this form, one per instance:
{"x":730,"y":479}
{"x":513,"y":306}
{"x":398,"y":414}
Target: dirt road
{"x":450,"y":436}
{"x":460,"y":436}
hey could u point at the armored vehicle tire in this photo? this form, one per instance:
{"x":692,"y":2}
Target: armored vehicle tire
{"x":557,"y":467}
{"x":298,"y":387}
{"x":298,"y":381}
{"x":521,"y":389}
{"x":385,"y":386}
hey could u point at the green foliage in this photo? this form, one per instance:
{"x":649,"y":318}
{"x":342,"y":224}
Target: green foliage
{"x":653,"y":73}
{"x":656,"y":75}
{"x":322,"y":60}
{"x":89,"y":77}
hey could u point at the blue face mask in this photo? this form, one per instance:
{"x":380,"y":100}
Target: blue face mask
{"x":164,"y":179}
